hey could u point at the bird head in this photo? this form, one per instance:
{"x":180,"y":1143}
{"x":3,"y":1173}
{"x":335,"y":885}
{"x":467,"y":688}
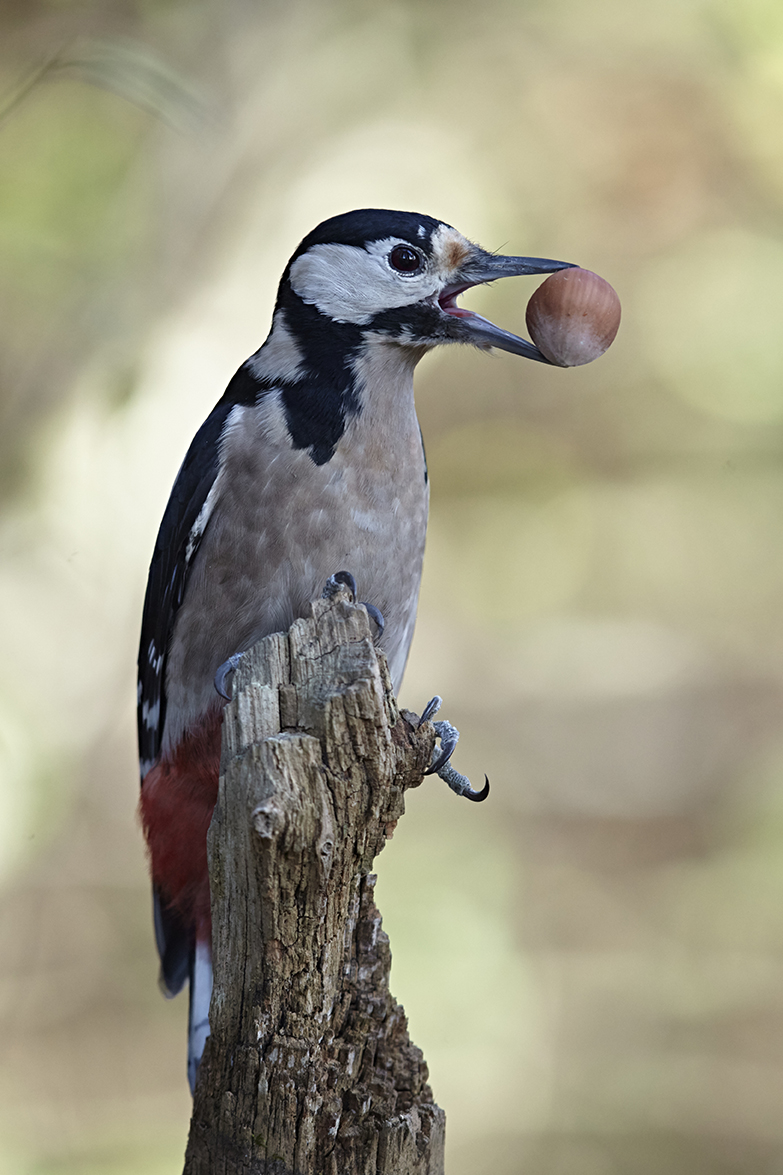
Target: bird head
{"x":397,"y":276}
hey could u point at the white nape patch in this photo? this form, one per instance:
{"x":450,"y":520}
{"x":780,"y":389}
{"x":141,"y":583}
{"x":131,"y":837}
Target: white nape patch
{"x":353,"y":284}
{"x":271,"y":420}
{"x":265,"y":422}
{"x":234,"y":426}
{"x":145,"y":766}
{"x":280,"y":357}
{"x":200,"y":525}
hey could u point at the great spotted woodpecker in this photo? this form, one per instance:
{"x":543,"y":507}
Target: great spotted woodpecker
{"x":312,"y":462}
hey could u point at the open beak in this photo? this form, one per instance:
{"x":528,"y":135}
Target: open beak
{"x":486,"y":267}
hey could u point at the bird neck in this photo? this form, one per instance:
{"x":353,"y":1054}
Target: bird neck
{"x":384,"y":434}
{"x":383,"y":379}
{"x":331,"y":374}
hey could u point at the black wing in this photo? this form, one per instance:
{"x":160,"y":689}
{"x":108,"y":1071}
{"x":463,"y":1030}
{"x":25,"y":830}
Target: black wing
{"x":179,"y":537}
{"x":180,"y":534}
{"x":176,"y":544}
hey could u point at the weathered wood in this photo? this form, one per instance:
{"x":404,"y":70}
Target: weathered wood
{"x":309,"y":1069}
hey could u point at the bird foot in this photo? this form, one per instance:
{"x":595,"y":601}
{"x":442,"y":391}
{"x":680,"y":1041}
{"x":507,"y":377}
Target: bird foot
{"x":343,"y":579}
{"x":335,"y":583}
{"x":440,"y":765}
{"x":228,"y":667}
{"x":449,"y":737}
{"x":376,"y":615}
{"x":432,"y":707}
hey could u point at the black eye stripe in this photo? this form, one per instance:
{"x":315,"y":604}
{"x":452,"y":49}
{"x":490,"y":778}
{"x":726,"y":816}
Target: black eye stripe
{"x":406,"y":259}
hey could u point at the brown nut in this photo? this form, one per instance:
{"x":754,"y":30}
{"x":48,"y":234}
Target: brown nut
{"x":573,"y":317}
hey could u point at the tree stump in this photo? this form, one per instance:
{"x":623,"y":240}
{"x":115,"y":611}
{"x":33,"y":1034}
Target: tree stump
{"x":309,"y":1069}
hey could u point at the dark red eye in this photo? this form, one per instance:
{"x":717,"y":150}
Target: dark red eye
{"x":406,"y":259}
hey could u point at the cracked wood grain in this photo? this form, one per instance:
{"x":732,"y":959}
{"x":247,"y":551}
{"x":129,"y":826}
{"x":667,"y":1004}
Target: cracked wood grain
{"x":309,"y":1069}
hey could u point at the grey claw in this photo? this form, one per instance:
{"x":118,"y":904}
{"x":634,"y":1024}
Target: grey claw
{"x":430,"y":709}
{"x":440,"y":765}
{"x":447,"y":750}
{"x":449,"y":736}
{"x":339,"y":580}
{"x":229,"y":666}
{"x":376,"y":615}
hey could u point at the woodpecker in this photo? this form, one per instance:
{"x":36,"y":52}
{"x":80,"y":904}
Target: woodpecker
{"x":311,"y":463}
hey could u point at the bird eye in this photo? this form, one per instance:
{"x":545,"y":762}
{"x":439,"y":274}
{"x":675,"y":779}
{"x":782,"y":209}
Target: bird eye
{"x":405,"y":259}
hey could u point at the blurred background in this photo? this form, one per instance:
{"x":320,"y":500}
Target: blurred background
{"x":593,"y":960}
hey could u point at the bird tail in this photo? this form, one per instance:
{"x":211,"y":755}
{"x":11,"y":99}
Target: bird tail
{"x":198,"y":1015}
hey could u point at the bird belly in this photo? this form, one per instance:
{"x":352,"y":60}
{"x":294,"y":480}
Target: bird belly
{"x":282,"y":527}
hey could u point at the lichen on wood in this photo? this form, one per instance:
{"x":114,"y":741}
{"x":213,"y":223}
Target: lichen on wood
{"x":309,"y":1069}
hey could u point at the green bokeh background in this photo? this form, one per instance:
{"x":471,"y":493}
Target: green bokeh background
{"x":593,"y":960}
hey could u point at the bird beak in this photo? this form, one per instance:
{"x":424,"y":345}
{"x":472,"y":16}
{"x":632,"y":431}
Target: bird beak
{"x":484,"y":267}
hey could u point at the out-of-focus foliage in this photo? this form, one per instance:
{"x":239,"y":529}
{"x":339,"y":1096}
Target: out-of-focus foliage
{"x":593,"y":960}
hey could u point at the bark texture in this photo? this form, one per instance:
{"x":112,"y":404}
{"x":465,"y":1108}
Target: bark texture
{"x":309,"y":1069}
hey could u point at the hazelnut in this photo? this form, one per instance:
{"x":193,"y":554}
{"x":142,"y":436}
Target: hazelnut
{"x":573,"y":317}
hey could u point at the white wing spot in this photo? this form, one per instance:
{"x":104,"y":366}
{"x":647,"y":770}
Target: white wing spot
{"x":150,"y":715}
{"x":200,"y":525}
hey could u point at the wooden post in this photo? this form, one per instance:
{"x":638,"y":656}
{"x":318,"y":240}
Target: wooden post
{"x":309,"y":1069}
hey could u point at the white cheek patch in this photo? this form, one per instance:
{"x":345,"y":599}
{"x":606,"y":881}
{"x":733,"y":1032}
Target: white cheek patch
{"x":351,"y":284}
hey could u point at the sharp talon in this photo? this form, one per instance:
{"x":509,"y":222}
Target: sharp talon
{"x":229,"y":666}
{"x":377,"y":616}
{"x":430,"y":709}
{"x":440,"y":765}
{"x":478,"y":797}
{"x":339,"y":580}
{"x":440,"y":762}
{"x":461,"y":784}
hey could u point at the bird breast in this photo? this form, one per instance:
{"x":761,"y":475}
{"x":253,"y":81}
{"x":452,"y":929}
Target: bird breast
{"x":283,"y":524}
